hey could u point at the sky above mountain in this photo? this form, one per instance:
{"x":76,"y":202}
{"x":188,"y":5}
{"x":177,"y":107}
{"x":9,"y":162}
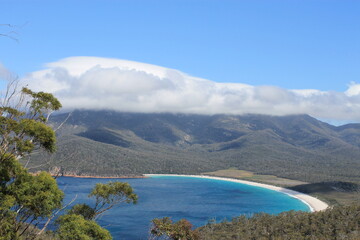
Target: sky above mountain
{"x":217,"y":56}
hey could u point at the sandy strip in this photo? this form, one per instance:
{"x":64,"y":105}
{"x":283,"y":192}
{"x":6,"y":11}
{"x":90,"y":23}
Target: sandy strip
{"x":314,"y":203}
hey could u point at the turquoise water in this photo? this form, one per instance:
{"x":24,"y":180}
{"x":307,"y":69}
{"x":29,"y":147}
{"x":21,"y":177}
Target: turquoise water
{"x":196,"y":199}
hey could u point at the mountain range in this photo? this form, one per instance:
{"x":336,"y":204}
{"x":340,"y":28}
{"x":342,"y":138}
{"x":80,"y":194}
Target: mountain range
{"x":109,"y":143}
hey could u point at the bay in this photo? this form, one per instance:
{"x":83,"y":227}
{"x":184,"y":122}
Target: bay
{"x":196,"y":199}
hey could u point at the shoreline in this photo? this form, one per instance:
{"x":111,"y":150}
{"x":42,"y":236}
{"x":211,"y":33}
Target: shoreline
{"x":92,"y":176}
{"x":313,"y":203}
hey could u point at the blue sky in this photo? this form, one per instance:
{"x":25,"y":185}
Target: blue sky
{"x":290,"y":44}
{"x":293,"y":44}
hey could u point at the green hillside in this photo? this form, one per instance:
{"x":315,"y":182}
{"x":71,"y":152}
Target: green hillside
{"x":297,"y":147}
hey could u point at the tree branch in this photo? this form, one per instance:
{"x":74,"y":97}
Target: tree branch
{"x":50,"y":218}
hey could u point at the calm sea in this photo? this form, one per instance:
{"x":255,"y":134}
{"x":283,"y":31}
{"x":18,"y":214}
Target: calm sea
{"x":196,"y":199}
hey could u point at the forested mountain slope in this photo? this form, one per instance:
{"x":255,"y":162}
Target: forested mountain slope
{"x":110,"y":143}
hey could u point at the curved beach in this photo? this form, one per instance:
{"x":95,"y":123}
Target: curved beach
{"x":314,"y":203}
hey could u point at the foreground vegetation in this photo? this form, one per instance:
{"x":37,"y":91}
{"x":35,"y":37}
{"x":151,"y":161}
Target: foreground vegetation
{"x":30,"y":202}
{"x":340,"y":222}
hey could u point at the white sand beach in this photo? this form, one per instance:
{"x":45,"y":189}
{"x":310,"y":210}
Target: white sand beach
{"x":314,"y":203}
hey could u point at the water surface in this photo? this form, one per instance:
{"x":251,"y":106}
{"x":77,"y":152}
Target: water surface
{"x":196,"y":199}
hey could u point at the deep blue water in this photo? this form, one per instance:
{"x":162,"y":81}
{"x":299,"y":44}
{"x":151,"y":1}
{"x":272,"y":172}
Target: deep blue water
{"x":196,"y":199}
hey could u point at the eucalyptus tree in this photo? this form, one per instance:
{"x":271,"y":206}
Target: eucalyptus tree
{"x":28,"y":201}
{"x":25,"y":199}
{"x":106,"y":195}
{"x":165,"y":228}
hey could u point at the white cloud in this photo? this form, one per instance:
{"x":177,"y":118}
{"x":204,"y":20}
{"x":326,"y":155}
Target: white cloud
{"x":103,"y":83}
{"x":353,"y":89}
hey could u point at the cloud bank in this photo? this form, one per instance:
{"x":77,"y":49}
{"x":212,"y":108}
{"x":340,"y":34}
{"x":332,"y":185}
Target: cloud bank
{"x":103,"y":83}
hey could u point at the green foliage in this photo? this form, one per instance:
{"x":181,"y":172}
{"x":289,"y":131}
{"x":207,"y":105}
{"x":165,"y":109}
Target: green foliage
{"x":113,"y":192}
{"x":36,"y":196}
{"x":7,"y":221}
{"x":23,"y":124}
{"x":41,"y":103}
{"x":9,"y":168}
{"x":76,"y":227}
{"x":40,"y":133}
{"x":79,"y":223}
{"x":28,"y":199}
{"x":340,"y":222}
{"x":181,"y":230}
{"x":25,"y":199}
{"x":37,"y":133}
{"x":84,"y":210}
{"x":107,"y":195}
